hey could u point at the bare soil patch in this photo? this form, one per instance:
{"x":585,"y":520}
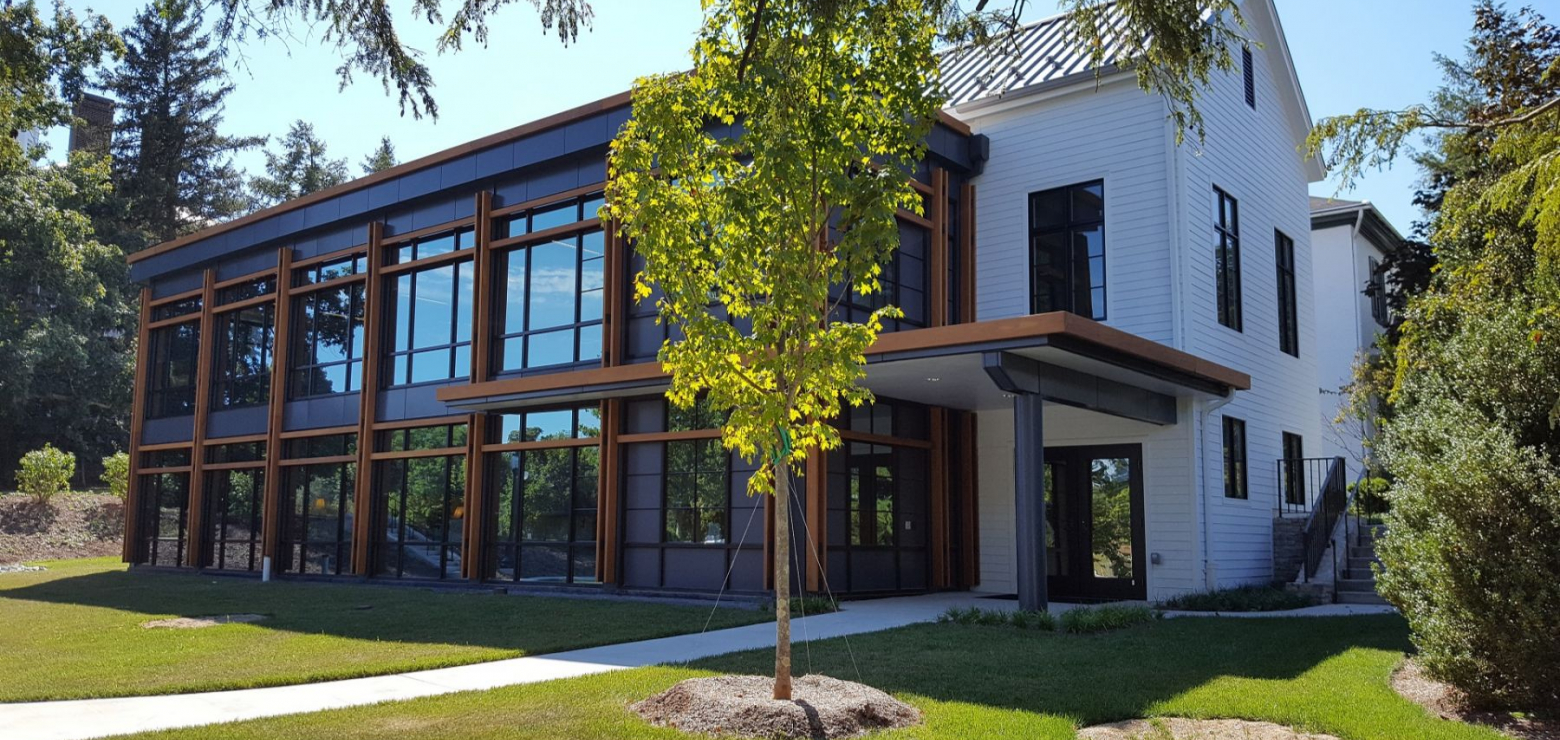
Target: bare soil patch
{"x":741,"y":706}
{"x":1447,"y":702}
{"x":70,"y":525}
{"x":195,"y":623}
{"x":1176,"y":728}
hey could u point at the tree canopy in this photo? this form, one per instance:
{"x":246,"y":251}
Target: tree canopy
{"x":300,"y":166}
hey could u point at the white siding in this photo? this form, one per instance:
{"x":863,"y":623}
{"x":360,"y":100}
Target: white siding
{"x":1342,"y":267}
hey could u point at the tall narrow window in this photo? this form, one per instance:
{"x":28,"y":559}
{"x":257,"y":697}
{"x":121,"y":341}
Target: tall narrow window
{"x":1226,"y":228}
{"x":1377,"y":290}
{"x":318,"y":482}
{"x":1288,"y":309}
{"x":171,"y":372}
{"x":1235,"y":458}
{"x":1067,"y":250}
{"x":327,"y":342}
{"x":1249,"y":76}
{"x":432,"y":320}
{"x":420,"y":502}
{"x":697,"y":479}
{"x":244,"y":339}
{"x":542,"y":525}
{"x":1293,"y":468}
{"x":551,"y":288}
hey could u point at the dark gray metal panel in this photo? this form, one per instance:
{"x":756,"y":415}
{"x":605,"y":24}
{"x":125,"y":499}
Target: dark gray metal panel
{"x":644,"y":458}
{"x":747,"y":569}
{"x":694,"y":568}
{"x":494,"y":161}
{"x":642,"y":567}
{"x":176,"y":284}
{"x":170,"y":429}
{"x":645,"y":415}
{"x":539,"y":148}
{"x":1029,"y":500}
{"x":237,"y":422}
{"x":644,"y":526}
{"x":458,"y":172}
{"x":319,"y":413}
{"x":249,"y":263}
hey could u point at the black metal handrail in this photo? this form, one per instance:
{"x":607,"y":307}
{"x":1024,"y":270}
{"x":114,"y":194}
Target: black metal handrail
{"x":1300,"y":483}
{"x":1365,"y":503}
{"x":1329,"y":505}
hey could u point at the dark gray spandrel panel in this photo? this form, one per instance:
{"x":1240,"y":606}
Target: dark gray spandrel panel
{"x":417,"y":184}
{"x":871,"y":570}
{"x":237,"y":422}
{"x":644,"y":527}
{"x":585,"y":133}
{"x":320,"y":413}
{"x":353,"y":203}
{"x":176,"y":284}
{"x":391,"y":404}
{"x":641,"y":567}
{"x":555,"y":181}
{"x":539,"y":148}
{"x":170,"y":429}
{"x":616,"y":118}
{"x":747,"y":570}
{"x":643,"y":458}
{"x":495,"y":160}
{"x":323,"y":212}
{"x":592,"y":170}
{"x":422,"y":402}
{"x":252,"y":262}
{"x":383,"y":194}
{"x":912,"y":570}
{"x":644,"y":338}
{"x":644,"y":415}
{"x":695,"y":568}
{"x":292,"y":221}
{"x":836,"y":570}
{"x":837,"y":528}
{"x":458,"y":172}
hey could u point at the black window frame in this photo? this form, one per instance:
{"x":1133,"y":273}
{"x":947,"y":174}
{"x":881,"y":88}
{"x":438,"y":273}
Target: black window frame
{"x":1376,"y":289}
{"x":582,"y":340}
{"x":1226,"y":229}
{"x":1293,"y":467}
{"x":224,"y":531}
{"x":168,"y":394}
{"x":457,"y":351}
{"x":1236,"y":468}
{"x":1288,"y":297}
{"x":161,"y":493}
{"x":1248,"y":76}
{"x":308,"y":489}
{"x":392,"y":485}
{"x":305,"y":372}
{"x":580,"y":508}
{"x":231,"y":389}
{"x":1069,"y":228}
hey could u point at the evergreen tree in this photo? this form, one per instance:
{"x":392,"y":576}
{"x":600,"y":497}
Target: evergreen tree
{"x":172,"y":167}
{"x":382,"y":158}
{"x":300,"y":168}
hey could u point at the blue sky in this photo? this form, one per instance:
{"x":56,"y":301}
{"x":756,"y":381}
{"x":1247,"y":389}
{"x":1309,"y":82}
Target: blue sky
{"x":1349,"y":54}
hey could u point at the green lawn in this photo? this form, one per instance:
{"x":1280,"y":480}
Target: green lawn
{"x":74,"y":631}
{"x":1325,"y":675}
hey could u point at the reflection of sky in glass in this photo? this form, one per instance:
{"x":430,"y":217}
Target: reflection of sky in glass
{"x":552,"y":284}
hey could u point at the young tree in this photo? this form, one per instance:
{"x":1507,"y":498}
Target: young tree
{"x":769,"y":224}
{"x":382,"y":158}
{"x":300,"y":168}
{"x":172,"y":165}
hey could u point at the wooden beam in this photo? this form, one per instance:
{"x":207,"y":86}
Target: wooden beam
{"x":205,"y":354}
{"x":373,"y":333}
{"x":817,"y":496}
{"x":609,"y":495}
{"x":474,"y":523}
{"x":548,"y":200}
{"x":938,"y":539}
{"x":281,"y":349}
{"x":129,"y":552}
{"x":970,"y":501}
{"x":967,"y":265}
{"x":937,"y":262}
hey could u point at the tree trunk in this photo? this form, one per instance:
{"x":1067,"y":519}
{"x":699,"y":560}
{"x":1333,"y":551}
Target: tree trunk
{"x":782,"y":584}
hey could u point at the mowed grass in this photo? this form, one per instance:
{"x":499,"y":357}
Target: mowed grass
{"x":74,"y":631}
{"x":972,"y":682}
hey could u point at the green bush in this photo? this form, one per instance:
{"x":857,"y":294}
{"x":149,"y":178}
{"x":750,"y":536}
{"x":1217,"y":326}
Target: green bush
{"x":116,"y":474}
{"x":45,"y":472}
{"x":1105,"y":617}
{"x":1024,"y":620}
{"x":806,"y":605}
{"x":1243,"y":599}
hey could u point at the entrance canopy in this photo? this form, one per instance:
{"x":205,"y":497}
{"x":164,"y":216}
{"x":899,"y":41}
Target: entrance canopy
{"x":1079,"y":362}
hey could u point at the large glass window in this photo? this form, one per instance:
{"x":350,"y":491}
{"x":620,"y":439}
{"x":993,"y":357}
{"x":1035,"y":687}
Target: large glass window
{"x":420,"y":504}
{"x":1067,"y":250}
{"x":1376,"y":289}
{"x":552,"y":302}
{"x":317,"y":506}
{"x":164,"y":504}
{"x":173,"y":355}
{"x":432,"y":320}
{"x":543,"y":526}
{"x":902,"y":283}
{"x":244,"y":339}
{"x":1235,"y":458}
{"x":1288,"y":309}
{"x":1226,"y":234}
{"x":327,"y":350}
{"x":233,"y":518}
{"x":321,"y":272}
{"x":697,"y":481}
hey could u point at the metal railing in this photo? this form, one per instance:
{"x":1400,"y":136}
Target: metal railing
{"x":1330,"y":503}
{"x":1365,"y":505}
{"x":1301,"y":482}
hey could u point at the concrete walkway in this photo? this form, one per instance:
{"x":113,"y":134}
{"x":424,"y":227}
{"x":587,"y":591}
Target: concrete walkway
{"x":91,"y":718}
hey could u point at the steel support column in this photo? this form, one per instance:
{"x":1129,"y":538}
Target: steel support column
{"x":1020,"y":377}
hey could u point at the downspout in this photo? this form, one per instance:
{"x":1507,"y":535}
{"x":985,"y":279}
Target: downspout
{"x":1200,"y":476}
{"x":1354,"y":270}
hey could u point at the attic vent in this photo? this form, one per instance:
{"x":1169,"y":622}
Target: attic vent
{"x":1248,"y":73}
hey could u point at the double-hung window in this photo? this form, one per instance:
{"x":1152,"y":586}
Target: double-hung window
{"x":1226,"y":237}
{"x":1067,"y":250}
{"x":1235,"y":477}
{"x":1288,"y":306}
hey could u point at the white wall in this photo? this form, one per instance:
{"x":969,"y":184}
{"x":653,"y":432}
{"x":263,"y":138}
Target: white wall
{"x":1250,"y":154}
{"x":1341,"y":267}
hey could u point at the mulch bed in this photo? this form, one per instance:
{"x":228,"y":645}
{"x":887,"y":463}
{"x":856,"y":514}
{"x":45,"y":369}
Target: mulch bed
{"x":742,"y":706}
{"x":70,"y":525}
{"x":1176,"y":728}
{"x":1445,"y":701}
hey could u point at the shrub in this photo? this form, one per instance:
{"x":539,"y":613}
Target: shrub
{"x":116,"y":474}
{"x":1024,"y":620}
{"x":1105,"y":617}
{"x":808,"y":605}
{"x":45,"y":472}
{"x":1243,"y":599}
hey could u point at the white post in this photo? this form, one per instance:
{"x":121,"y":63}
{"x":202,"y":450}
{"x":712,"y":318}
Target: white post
{"x":265,"y":569}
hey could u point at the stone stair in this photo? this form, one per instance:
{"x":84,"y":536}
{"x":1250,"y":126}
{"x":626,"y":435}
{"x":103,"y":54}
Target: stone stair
{"x":1360,"y":587}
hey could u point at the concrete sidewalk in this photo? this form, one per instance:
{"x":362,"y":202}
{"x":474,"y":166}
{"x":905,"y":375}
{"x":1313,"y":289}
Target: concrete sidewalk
{"x":90,"y":718}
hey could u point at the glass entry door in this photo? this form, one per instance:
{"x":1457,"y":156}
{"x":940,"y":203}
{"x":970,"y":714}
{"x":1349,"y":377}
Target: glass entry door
{"x":1094,"y":523}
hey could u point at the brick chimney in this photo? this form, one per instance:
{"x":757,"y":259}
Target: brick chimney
{"x":94,"y":129}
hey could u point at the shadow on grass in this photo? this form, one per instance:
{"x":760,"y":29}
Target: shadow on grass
{"x":1089,"y":679}
{"x":527,"y":624}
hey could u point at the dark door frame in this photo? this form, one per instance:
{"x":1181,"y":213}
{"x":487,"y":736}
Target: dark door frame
{"x":1074,"y":524}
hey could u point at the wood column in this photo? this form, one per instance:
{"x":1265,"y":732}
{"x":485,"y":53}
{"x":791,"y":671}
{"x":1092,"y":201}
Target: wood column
{"x":609,"y":488}
{"x":969,"y":501}
{"x":937,"y":538}
{"x":281,"y":352}
{"x":817,"y":542}
{"x":474,"y":522}
{"x":937,"y":246}
{"x":373,"y":334}
{"x":205,"y":349}
{"x":137,"y":415}
{"x":967,"y":254}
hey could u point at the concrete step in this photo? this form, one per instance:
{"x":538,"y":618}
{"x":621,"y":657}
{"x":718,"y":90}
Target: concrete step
{"x":1365,"y":585}
{"x":1368,"y":553}
{"x":1359,"y":597}
{"x":1363,"y":564}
